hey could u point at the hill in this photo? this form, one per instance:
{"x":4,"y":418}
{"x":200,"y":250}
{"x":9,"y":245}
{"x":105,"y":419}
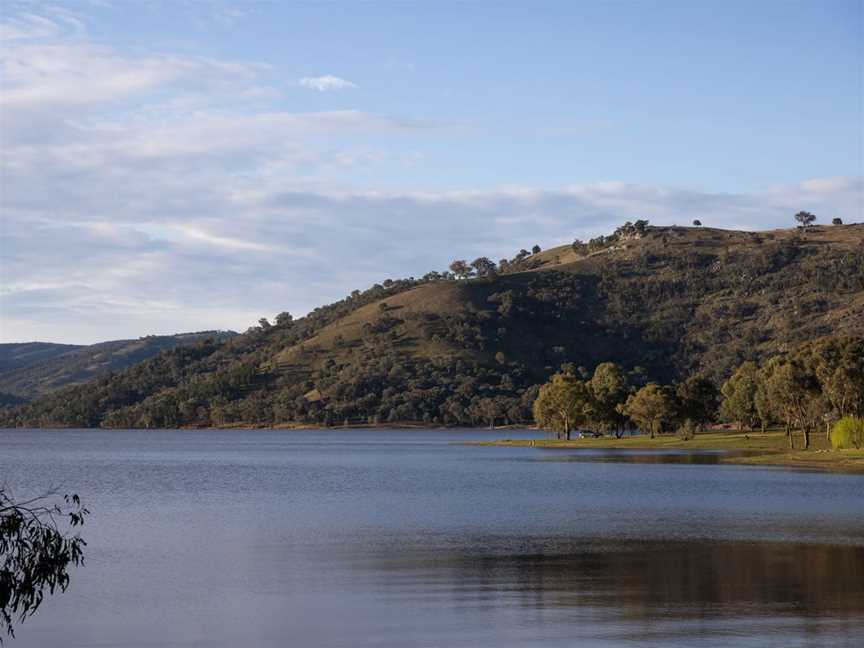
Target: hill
{"x":664,"y":302}
{"x":18,"y":356}
{"x":33,"y":369}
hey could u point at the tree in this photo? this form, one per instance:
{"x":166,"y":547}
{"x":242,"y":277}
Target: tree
{"x":609,"y":389}
{"x":491,"y":409}
{"x":284,"y":318}
{"x":698,"y":399}
{"x":535,"y":249}
{"x":484,"y":267}
{"x":697,"y":223}
{"x":838,"y":364}
{"x":36,"y":552}
{"x":650,"y":408}
{"x":837,"y":221}
{"x":579,"y":247}
{"x":773,"y":389}
{"x":641,"y":226}
{"x":766,"y":411}
{"x":794,"y":390}
{"x":264,"y":324}
{"x":805,"y":218}
{"x":461,"y":269}
{"x":739,"y":393}
{"x":562,"y":404}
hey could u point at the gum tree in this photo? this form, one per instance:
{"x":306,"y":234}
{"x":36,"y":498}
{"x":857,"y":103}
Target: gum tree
{"x":37,"y":547}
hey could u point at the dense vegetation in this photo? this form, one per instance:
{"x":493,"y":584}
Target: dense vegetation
{"x":808,"y":388}
{"x":472,"y":345}
{"x":804,"y":389}
{"x":33,"y":369}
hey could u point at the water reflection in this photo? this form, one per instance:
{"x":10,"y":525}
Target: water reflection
{"x":694,"y":457}
{"x":638,"y":580}
{"x":362,"y":539}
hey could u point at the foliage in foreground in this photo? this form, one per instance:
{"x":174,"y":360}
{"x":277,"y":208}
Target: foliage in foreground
{"x":36,"y":552}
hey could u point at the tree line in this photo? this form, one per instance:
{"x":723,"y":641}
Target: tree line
{"x":818,"y":384}
{"x":476,"y":352}
{"x":813,"y":386}
{"x":609,"y":403}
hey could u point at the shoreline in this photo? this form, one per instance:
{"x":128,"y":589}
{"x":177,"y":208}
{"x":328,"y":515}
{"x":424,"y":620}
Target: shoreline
{"x":746,"y":449}
{"x":736,"y":448}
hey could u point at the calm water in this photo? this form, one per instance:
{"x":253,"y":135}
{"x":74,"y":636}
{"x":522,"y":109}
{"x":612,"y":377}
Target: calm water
{"x":403,"y":538}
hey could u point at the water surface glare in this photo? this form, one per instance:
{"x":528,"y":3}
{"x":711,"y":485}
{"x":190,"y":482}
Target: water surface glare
{"x":356,"y":538}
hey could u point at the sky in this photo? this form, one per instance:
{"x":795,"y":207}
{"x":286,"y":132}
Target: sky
{"x":170,"y":166}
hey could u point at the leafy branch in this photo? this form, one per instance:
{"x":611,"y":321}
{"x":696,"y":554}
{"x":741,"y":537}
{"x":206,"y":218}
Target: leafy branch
{"x":37,"y":546}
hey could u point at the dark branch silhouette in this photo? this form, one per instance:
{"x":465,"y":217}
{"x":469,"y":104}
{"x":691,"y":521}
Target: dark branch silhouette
{"x":37,"y":546}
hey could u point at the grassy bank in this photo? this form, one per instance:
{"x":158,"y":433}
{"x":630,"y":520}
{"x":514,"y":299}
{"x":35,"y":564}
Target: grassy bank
{"x":753,"y":448}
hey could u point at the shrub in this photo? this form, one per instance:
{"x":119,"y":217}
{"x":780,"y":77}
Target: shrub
{"x":687,"y":430}
{"x":848,"y":433}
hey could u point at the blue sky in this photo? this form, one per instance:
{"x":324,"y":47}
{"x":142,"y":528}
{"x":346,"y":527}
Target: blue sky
{"x":177,"y":165}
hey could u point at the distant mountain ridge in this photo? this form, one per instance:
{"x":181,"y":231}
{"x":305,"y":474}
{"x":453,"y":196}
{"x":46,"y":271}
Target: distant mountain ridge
{"x":663,"y":302}
{"x":29,"y":370}
{"x":18,"y":355}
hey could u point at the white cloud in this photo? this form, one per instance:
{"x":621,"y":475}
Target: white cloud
{"x":145,"y":192}
{"x":258,"y":246}
{"x":64,"y":74}
{"x":326,"y":83}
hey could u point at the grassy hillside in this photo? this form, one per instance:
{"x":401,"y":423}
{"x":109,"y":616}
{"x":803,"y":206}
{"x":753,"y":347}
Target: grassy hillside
{"x":666,"y":303}
{"x":34,"y":369}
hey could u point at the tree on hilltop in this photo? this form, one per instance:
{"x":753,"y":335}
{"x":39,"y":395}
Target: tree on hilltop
{"x":484,"y":267}
{"x":461,"y":269}
{"x":805,"y":218}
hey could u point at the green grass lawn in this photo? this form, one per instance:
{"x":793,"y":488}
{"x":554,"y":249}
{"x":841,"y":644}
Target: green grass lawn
{"x":755,"y":448}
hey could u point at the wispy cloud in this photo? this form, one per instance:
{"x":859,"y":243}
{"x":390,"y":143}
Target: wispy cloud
{"x":326,"y":83}
{"x":221,"y":250}
{"x":52,"y":22}
{"x":154,"y":192}
{"x":231,"y":244}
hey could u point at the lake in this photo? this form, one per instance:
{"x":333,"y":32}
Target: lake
{"x":356,"y":538}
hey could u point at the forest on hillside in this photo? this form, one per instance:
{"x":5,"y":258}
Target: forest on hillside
{"x":472,"y":345}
